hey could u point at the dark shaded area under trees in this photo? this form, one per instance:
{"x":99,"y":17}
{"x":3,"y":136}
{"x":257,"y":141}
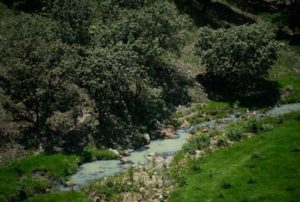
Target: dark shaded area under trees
{"x":213,"y":13}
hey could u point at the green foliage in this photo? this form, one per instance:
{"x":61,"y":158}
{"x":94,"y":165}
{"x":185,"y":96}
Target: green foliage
{"x":25,"y":27}
{"x":56,"y":165}
{"x":221,"y":141}
{"x":240,"y":55}
{"x":197,"y":142}
{"x":148,"y":29}
{"x":111,"y":188}
{"x":125,"y":73}
{"x":37,"y":84}
{"x":92,"y":153}
{"x":235,"y":134}
{"x":74,"y":18}
{"x":34,"y":175}
{"x":35,"y":78}
{"x":108,"y":63}
{"x":216,"y":109}
{"x":213,"y":110}
{"x":256,"y":126}
{"x":29,"y":186}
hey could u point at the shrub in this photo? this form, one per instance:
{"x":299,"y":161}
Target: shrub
{"x":92,"y":153}
{"x":235,"y":134}
{"x":111,"y":188}
{"x":239,"y":55}
{"x":198,"y":142}
{"x":256,"y":126}
{"x":221,"y":141}
{"x":32,"y":186}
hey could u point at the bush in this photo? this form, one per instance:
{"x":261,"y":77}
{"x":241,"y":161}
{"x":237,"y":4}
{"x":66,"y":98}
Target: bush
{"x":240,"y":55}
{"x":235,"y":134}
{"x":92,"y":153}
{"x":256,"y":126}
{"x":32,"y":186}
{"x":111,"y":189}
{"x":198,"y":142}
{"x":222,"y":141}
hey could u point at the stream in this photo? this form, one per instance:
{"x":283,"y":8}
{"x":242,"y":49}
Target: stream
{"x":89,"y":172}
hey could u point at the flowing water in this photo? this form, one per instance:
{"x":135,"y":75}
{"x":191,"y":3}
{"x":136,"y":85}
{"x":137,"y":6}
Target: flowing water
{"x":98,"y":169}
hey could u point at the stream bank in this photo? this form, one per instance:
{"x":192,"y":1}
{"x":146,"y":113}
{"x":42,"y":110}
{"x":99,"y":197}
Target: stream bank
{"x":159,"y":151}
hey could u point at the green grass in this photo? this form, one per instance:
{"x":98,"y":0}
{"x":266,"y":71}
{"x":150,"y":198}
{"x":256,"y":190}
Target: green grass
{"x":113,"y":188}
{"x":34,"y":174}
{"x":212,"y":110}
{"x":263,"y":168}
{"x":274,"y":18}
{"x":92,"y":153}
{"x":61,"y":196}
{"x":56,"y":165}
{"x":286,"y":72}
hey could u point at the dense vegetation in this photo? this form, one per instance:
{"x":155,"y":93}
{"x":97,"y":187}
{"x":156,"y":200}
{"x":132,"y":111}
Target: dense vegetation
{"x":79,"y":77}
{"x":104,"y":75}
{"x":240,"y":56}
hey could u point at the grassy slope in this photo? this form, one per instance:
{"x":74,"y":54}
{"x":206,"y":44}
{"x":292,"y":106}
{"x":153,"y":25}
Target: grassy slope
{"x":35,"y":174}
{"x":286,"y":72}
{"x":20,"y":176}
{"x":61,"y":196}
{"x":263,"y":168}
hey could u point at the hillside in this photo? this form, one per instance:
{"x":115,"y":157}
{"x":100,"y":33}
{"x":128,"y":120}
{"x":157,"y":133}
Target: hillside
{"x":263,"y":168}
{"x":149,"y":100}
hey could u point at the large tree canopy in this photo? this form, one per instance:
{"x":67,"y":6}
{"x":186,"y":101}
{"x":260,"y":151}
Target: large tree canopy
{"x":73,"y":70}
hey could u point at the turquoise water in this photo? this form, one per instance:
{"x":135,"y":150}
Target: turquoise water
{"x":283,"y":109}
{"x":98,"y":169}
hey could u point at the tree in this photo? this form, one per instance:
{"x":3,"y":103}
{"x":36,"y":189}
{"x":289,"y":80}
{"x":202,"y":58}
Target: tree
{"x":74,"y":17}
{"x":36,"y":80}
{"x":240,"y":56}
{"x":124,"y":71}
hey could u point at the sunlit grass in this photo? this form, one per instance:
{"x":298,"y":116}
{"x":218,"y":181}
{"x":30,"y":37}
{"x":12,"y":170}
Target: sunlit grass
{"x":263,"y":168}
{"x":34,"y":174}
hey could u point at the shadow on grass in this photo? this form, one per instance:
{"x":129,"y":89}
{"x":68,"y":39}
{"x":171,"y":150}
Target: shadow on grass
{"x":214,"y":14}
{"x":262,"y":93}
{"x":256,"y":7}
{"x":199,"y":18}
